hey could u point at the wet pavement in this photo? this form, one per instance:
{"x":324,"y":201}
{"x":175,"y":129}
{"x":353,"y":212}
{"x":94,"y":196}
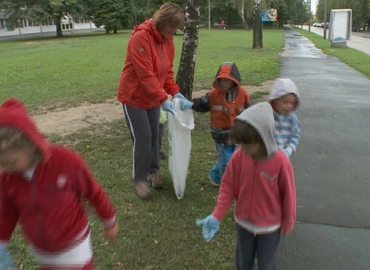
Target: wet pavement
{"x":332,"y":164}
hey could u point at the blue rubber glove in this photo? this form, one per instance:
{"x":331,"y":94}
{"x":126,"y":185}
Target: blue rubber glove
{"x":168,"y":106}
{"x":210,"y":225}
{"x":179,"y":95}
{"x":6,"y":261}
{"x":186,"y":105}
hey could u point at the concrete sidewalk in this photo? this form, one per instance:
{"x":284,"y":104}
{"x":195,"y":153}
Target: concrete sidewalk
{"x":332,"y":165}
{"x":359,"y":40}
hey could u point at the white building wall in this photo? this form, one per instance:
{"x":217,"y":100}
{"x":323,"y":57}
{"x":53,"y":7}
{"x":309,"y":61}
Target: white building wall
{"x":43,"y":29}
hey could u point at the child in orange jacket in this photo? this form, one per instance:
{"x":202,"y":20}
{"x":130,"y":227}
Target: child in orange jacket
{"x":225,"y":101}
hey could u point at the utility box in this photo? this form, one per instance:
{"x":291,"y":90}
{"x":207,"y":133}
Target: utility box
{"x":340,"y":27}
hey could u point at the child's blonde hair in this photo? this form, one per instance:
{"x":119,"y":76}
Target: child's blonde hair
{"x":12,"y":139}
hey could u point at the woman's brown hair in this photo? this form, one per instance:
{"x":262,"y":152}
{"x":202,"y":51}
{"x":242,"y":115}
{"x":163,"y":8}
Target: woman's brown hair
{"x":169,"y":14}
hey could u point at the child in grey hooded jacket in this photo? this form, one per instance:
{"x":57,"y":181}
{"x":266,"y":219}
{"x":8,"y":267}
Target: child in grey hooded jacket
{"x":284,"y":99}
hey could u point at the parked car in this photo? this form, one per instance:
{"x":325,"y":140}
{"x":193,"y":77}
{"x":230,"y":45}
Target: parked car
{"x":322,"y":25}
{"x":356,"y":28}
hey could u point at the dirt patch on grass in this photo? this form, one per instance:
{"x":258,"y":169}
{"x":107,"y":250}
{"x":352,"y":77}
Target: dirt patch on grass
{"x":71,"y":120}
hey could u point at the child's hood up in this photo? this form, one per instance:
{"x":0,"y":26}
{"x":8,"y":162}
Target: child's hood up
{"x":227,"y":70}
{"x":14,"y":114}
{"x":282,"y":87}
{"x":260,"y":116}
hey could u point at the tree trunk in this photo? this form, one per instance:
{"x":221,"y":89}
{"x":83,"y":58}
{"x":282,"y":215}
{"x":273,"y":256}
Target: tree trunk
{"x":107,"y":30}
{"x":58,"y":24}
{"x":185,"y":73}
{"x":243,"y":12}
{"x":257,"y":26}
{"x":115,"y":31}
{"x":209,"y":15}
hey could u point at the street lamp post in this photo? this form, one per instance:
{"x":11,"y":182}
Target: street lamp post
{"x":325,"y":11}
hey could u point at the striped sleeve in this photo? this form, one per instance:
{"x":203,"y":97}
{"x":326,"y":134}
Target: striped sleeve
{"x":287,"y":133}
{"x":295,"y":135}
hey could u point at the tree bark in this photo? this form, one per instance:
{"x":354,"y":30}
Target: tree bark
{"x":243,"y":12}
{"x":257,"y":25}
{"x":185,"y":73}
{"x":58,"y":21}
{"x":209,"y":15}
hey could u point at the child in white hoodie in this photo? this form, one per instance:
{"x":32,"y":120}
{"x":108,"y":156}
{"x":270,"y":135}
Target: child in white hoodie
{"x":284,"y":99}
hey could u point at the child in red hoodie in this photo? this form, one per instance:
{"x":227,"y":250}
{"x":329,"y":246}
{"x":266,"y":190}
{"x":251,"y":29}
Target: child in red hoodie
{"x":259,"y":177}
{"x":41,"y":187}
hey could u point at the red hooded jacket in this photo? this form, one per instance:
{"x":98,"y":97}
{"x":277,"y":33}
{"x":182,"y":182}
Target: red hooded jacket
{"x":148,"y":69}
{"x":49,"y":206}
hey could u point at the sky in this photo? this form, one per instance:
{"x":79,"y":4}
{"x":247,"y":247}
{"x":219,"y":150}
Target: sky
{"x":313,"y":6}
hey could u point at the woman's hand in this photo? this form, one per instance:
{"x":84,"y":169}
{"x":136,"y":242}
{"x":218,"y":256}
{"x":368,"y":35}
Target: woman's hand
{"x":168,"y":106}
{"x":179,"y":95}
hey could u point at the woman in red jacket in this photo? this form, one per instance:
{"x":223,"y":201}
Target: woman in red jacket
{"x":148,"y":70}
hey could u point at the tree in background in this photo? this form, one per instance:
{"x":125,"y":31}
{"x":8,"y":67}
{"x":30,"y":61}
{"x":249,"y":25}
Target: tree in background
{"x":112,"y":14}
{"x":300,"y":12}
{"x":185,"y":73}
{"x":220,"y":10}
{"x":257,"y":27}
{"x":283,"y":11}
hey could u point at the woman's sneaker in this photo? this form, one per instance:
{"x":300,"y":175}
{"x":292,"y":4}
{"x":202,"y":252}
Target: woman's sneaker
{"x":155,"y":180}
{"x":142,"y":190}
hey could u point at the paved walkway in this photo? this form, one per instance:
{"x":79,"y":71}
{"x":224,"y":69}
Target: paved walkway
{"x":359,"y":40}
{"x":332,"y":165}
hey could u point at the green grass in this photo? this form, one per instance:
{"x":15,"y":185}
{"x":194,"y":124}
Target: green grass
{"x":156,"y":234}
{"x":259,"y":94}
{"x":354,"y":58}
{"x":65,"y":72}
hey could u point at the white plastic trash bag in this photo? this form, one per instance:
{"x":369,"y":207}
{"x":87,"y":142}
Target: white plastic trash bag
{"x":179,"y":142}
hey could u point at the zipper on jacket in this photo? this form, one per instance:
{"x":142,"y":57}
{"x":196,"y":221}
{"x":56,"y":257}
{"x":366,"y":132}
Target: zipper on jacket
{"x":162,"y":59}
{"x":37,"y":208}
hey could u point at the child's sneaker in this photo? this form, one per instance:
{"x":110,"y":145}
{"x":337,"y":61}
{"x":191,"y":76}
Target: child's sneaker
{"x":213,"y":182}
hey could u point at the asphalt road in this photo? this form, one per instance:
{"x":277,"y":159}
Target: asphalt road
{"x":332,"y":163}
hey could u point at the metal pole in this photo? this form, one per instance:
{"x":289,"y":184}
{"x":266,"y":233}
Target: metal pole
{"x":209,"y":14}
{"x":309,"y":16}
{"x":325,"y":11}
